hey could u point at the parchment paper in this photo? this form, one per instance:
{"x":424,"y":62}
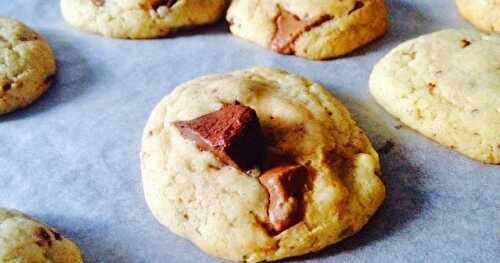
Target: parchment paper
{"x":72,"y":158}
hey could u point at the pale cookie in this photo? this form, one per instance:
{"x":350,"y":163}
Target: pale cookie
{"x":317,"y":29}
{"x":27,"y":65}
{"x":139,"y":19}
{"x":484,"y":14}
{"x":446,"y":85}
{"x":223,"y":210}
{"x":25,"y":240}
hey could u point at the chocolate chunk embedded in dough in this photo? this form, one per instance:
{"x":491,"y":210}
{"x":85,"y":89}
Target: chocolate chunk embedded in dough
{"x":288,"y":29}
{"x":232,"y":133}
{"x":285,"y":185}
{"x":44,"y":238}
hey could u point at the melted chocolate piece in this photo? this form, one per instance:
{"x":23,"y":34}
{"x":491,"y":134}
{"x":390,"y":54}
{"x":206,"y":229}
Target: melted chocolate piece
{"x":289,"y":28}
{"x":285,"y":185}
{"x":98,"y":3}
{"x":232,"y":133}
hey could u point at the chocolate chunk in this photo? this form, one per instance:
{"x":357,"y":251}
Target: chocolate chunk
{"x":358,"y":5}
{"x":289,"y":28}
{"x":28,"y":37}
{"x":56,"y":235}
{"x":232,"y":133}
{"x":7,"y":86}
{"x":465,"y":43}
{"x":44,"y":238}
{"x":285,"y":185}
{"x":98,"y":2}
{"x":158,"y":3}
{"x":431,"y":87}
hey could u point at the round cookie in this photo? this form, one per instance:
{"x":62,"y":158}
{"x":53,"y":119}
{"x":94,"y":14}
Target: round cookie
{"x":140,"y":19}
{"x":319,"y":29}
{"x":224,"y":210}
{"x":23,"y":239}
{"x":27,"y":65}
{"x":484,"y":14}
{"x":446,"y":85}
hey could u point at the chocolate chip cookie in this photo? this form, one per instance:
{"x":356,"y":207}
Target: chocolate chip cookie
{"x":258,"y":165}
{"x":138,"y":19}
{"x":23,"y":239}
{"x":484,"y":14}
{"x":310,"y":29}
{"x":27,"y":65}
{"x":446,"y":85}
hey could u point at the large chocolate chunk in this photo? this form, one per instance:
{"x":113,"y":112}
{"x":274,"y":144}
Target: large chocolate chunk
{"x":289,"y":28}
{"x":232,"y":133}
{"x":285,"y":185}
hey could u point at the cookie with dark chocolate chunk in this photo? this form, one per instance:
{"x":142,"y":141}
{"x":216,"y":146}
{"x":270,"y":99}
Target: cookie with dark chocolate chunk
{"x":313,"y":177}
{"x":311,"y":29}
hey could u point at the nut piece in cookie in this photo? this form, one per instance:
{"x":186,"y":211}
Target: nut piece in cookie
{"x":232,"y":133}
{"x":289,"y":28}
{"x":285,"y":186}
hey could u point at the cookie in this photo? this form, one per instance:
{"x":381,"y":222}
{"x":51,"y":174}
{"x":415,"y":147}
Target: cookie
{"x":446,"y":85}
{"x":27,"y":65}
{"x":484,"y":14}
{"x":139,"y":19}
{"x":23,"y":239}
{"x":258,"y":165}
{"x":311,"y":29}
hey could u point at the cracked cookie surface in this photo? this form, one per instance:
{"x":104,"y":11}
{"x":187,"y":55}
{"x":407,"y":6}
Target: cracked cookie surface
{"x":319,"y":29}
{"x":25,"y":240}
{"x":139,"y":19}
{"x":27,"y":65}
{"x":484,"y":14}
{"x":446,"y":85}
{"x":223,"y":210}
